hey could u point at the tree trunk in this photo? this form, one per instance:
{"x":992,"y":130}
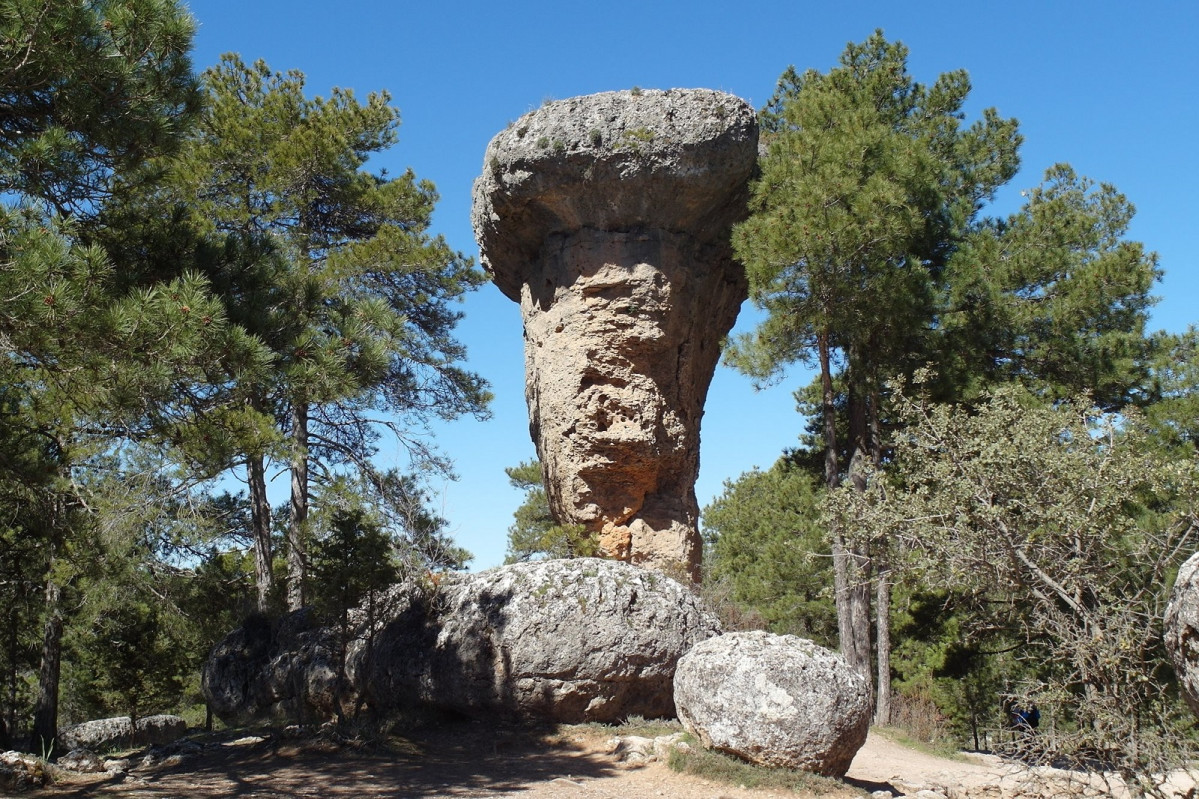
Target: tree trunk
{"x":847,"y":585}
{"x":45,"y":709}
{"x":882,"y":605}
{"x":882,"y":610}
{"x":260,"y":515}
{"x":297,"y":554}
{"x":13,"y":640}
{"x":828,"y":407}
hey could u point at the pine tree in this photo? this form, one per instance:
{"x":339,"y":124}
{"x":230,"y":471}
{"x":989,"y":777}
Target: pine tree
{"x":92,"y":358}
{"x":340,"y":279}
{"x":868,"y":182}
{"x":1054,"y":297}
{"x":534,"y":533}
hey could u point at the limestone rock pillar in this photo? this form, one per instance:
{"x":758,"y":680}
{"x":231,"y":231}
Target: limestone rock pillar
{"x":607,"y":218}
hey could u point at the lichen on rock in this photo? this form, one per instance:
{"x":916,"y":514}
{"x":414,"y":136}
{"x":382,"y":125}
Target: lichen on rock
{"x":775,"y":700}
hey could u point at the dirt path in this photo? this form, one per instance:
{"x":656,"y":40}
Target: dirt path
{"x":475,"y":761}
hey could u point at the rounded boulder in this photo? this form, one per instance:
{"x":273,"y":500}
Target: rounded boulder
{"x":775,"y":700}
{"x":571,"y":641}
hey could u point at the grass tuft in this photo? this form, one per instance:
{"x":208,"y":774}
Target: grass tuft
{"x":719,"y":767}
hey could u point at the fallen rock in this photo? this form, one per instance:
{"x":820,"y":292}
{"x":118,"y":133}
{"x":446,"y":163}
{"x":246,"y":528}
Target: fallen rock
{"x":117,"y":765}
{"x":275,"y":672}
{"x":20,"y":772}
{"x":171,"y":755}
{"x":99,"y":735}
{"x":81,"y":760}
{"x":1181,"y":630}
{"x":637,"y":750}
{"x":565,"y":640}
{"x":159,"y":730}
{"x":775,"y":700}
{"x":607,"y":217}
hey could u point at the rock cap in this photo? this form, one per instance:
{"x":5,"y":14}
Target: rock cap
{"x":677,"y":160}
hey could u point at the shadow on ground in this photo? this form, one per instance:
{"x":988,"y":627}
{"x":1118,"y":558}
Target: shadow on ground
{"x":460,"y":759}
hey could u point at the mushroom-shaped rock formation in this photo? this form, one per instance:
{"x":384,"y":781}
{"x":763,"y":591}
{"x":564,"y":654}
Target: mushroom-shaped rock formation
{"x":607,"y":218}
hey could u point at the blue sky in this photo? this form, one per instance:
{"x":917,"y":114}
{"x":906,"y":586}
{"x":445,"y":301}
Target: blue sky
{"x":1111,"y":87}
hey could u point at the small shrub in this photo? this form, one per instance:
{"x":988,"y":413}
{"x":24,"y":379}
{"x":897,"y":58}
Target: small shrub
{"x":596,"y":137}
{"x":919,"y":717}
{"x":543,"y":142}
{"x":633,"y":139}
{"x":648,"y":728}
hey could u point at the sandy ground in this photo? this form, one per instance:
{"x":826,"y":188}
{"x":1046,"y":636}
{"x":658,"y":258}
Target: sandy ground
{"x":475,"y":761}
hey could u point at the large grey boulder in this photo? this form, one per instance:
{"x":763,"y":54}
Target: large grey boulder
{"x":566,"y":640}
{"x":99,"y":735}
{"x":159,"y":730}
{"x":607,"y":217}
{"x":776,"y":700}
{"x":284,"y":671}
{"x":1181,"y":630}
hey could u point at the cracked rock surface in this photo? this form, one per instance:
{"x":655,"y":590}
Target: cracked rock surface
{"x":776,"y":700}
{"x":607,"y":218}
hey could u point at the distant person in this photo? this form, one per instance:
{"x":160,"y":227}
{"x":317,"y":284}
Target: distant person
{"x":1021,"y":718}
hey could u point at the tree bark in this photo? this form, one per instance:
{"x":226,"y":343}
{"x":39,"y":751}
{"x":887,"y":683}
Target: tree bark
{"x":882,"y":604}
{"x":828,"y":407}
{"x":260,"y":516}
{"x":45,"y":709}
{"x":882,"y":610}
{"x":297,"y":553}
{"x":847,"y":586}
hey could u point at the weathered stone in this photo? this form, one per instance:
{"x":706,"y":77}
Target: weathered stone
{"x":567,"y":640}
{"x":81,"y":760}
{"x":570,"y":640}
{"x":159,"y":730}
{"x":281,"y":671}
{"x":607,"y":217}
{"x":776,"y":700}
{"x":170,"y":755}
{"x":20,"y":772}
{"x":637,"y":750}
{"x":99,"y":735}
{"x":1181,"y":630}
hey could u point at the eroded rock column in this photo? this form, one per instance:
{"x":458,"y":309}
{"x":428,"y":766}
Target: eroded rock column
{"x":607,"y":218}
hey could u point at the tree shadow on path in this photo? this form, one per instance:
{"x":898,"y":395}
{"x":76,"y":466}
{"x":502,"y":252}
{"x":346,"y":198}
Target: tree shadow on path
{"x":461,"y":759}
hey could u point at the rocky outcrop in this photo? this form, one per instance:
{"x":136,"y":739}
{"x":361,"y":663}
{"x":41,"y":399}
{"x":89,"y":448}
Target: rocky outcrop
{"x":159,"y":730}
{"x":1181,"y":630}
{"x":287,"y":670}
{"x":607,"y":218}
{"x":100,"y":735}
{"x":83,"y":761}
{"x":20,"y":772}
{"x":776,"y":700}
{"x":566,"y":640}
